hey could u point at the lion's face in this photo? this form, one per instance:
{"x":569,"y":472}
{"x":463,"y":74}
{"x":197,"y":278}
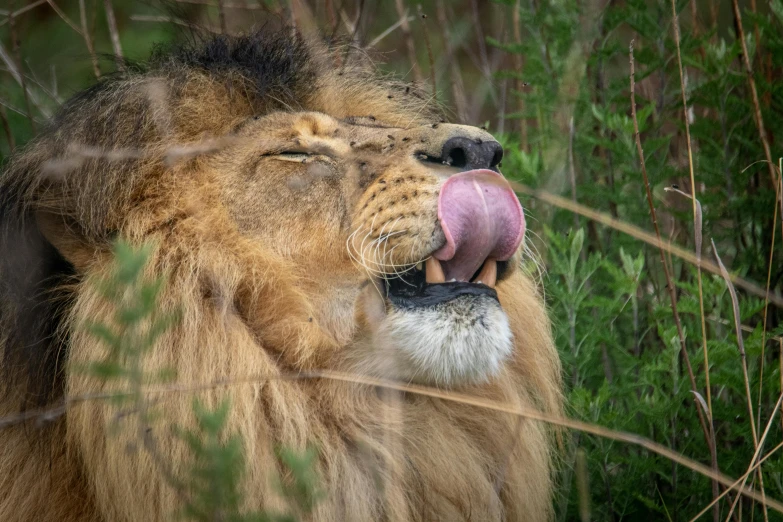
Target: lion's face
{"x":402,"y":232}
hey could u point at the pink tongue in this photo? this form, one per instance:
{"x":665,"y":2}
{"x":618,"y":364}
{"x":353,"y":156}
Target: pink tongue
{"x":481,"y":217}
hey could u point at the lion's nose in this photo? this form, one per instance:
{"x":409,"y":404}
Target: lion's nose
{"x":471,"y":153}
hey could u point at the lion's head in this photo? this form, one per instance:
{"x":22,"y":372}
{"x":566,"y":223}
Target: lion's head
{"x":309,"y":215}
{"x":398,"y":230}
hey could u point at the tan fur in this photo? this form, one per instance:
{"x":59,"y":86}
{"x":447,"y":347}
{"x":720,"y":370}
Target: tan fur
{"x":260,"y":265}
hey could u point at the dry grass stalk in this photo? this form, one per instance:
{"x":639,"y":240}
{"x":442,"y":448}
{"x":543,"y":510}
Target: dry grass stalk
{"x":766,"y":304}
{"x":81,"y":31}
{"x":742,"y":479}
{"x":457,"y":83}
{"x":423,"y":18}
{"x":519,"y":64}
{"x":697,"y":231}
{"x":780,"y":340}
{"x":330,"y":14}
{"x":758,"y":118}
{"x":222,"y":16}
{"x":642,"y":235}
{"x":402,"y":11}
{"x":583,"y":485}
{"x":169,"y":20}
{"x":9,"y":136}
{"x":483,"y":56}
{"x":21,"y":11}
{"x":709,"y":428}
{"x":15,"y":65}
{"x":483,"y":64}
{"x":229,"y":5}
{"x":85,"y":32}
{"x":111,"y":22}
{"x":572,"y":167}
{"x":741,"y":348}
{"x":375,"y":41}
{"x":526,"y":413}
{"x":64,"y":17}
{"x":695,"y":206}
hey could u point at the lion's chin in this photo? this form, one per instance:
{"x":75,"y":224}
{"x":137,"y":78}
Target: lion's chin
{"x":462,"y":341}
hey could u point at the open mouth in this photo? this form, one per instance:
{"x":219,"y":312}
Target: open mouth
{"x":425,"y":285}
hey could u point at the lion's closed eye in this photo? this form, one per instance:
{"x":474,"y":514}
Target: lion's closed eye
{"x":295,"y":156}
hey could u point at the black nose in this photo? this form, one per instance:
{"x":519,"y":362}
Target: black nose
{"x":470,"y":153}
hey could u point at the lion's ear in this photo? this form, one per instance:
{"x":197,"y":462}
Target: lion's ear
{"x":67,"y":239}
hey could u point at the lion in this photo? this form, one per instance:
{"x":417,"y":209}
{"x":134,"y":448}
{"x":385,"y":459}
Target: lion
{"x":309,"y":214}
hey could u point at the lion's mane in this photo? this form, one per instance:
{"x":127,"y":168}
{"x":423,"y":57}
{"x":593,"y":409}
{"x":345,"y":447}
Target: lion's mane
{"x":433,"y":459}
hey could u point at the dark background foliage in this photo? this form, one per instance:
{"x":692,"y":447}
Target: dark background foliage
{"x":551,"y":79}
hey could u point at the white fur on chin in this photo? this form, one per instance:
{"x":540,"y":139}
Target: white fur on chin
{"x":462,"y":341}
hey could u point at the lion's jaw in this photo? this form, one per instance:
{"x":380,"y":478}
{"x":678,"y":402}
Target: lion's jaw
{"x":464,"y":340}
{"x":409,"y":289}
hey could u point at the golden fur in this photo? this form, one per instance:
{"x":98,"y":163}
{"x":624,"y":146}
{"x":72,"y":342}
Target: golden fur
{"x":262,"y":265}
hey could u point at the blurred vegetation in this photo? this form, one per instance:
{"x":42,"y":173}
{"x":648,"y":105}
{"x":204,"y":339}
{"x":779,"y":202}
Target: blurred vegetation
{"x":211,"y":487}
{"x":551,"y":79}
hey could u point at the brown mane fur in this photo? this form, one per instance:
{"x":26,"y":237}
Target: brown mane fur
{"x":436,"y":460}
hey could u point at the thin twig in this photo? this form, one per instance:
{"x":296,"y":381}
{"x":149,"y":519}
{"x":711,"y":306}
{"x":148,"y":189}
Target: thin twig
{"x":709,"y":429}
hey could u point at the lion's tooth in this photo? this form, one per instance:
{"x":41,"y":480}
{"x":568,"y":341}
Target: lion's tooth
{"x":420,"y":265}
{"x":435,"y":271}
{"x":489,"y":273}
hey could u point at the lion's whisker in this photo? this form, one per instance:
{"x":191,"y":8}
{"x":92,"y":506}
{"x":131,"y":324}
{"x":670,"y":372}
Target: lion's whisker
{"x":380,"y":239}
{"x":356,"y":257}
